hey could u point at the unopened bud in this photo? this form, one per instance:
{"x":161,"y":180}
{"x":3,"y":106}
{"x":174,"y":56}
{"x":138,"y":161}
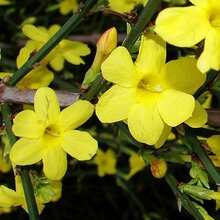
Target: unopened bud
{"x":107,"y":42}
{"x":158,"y":168}
{"x":105,"y":45}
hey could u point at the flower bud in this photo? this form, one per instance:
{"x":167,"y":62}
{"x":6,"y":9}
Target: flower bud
{"x":107,"y":42}
{"x":158,"y":168}
{"x":105,"y":45}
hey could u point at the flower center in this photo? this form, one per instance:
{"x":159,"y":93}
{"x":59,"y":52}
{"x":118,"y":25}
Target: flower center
{"x":215,"y":19}
{"x":149,"y":85}
{"x":53,"y":130}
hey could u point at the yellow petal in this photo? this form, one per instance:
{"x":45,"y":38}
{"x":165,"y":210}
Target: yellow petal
{"x":54,"y":162}
{"x":37,"y":78}
{"x":121,"y":6}
{"x":136,"y":164}
{"x":119,"y":68}
{"x":78,"y":48}
{"x":214,"y":142}
{"x":199,"y":117}
{"x":114,"y":104}
{"x":163,"y":137}
{"x":40,"y":206}
{"x":67,"y":6}
{"x":27,"y":151}
{"x":175,"y":107}
{"x":5,"y":2}
{"x":182,"y":27}
{"x":72,"y":57}
{"x":46,"y":105}
{"x":145,"y":123}
{"x":23,"y":56}
{"x":53,"y":29}
{"x":183,"y":75}
{"x":27,"y":125}
{"x":9,"y":197}
{"x":210,"y":57}
{"x":34,"y":33}
{"x":152,"y":54}
{"x":79,"y":144}
{"x":3,"y":74}
{"x":204,"y":3}
{"x":57,"y":62}
{"x":75,"y":115}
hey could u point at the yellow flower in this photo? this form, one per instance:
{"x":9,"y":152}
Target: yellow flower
{"x":70,"y":51}
{"x":187,"y":26}
{"x":47,"y":135}
{"x":67,"y":6}
{"x":10,"y":198}
{"x":4,"y":2}
{"x":106,"y":162}
{"x":151,"y":95}
{"x":136,"y":164}
{"x":125,"y":5}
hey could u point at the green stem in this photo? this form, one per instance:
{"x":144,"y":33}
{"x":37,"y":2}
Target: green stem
{"x":29,"y":195}
{"x":6,"y":115}
{"x":185,"y":200}
{"x":52,"y":43}
{"x":95,"y":88}
{"x":151,"y":7}
{"x":194,"y":143}
{"x":27,"y":185}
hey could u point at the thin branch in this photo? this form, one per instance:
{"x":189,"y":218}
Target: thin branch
{"x":26,"y":96}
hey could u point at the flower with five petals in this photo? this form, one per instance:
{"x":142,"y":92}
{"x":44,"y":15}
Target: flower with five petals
{"x":149,"y":95}
{"x":70,"y":51}
{"x":47,"y":134}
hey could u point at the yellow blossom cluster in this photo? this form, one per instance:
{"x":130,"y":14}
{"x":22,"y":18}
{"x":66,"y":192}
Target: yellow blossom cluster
{"x":147,"y":92}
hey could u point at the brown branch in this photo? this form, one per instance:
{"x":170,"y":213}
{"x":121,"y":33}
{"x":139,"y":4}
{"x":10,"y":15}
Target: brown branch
{"x":26,"y":96}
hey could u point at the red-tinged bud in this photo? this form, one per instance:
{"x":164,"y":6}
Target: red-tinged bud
{"x":158,"y":168}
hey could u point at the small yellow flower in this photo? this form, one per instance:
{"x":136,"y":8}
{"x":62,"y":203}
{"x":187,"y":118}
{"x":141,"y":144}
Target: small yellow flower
{"x":10,"y":198}
{"x":47,"y":134}
{"x":187,"y":26}
{"x":136,"y":164}
{"x":67,"y":6}
{"x":106,"y":162}
{"x":70,"y":51}
{"x":151,"y":95}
